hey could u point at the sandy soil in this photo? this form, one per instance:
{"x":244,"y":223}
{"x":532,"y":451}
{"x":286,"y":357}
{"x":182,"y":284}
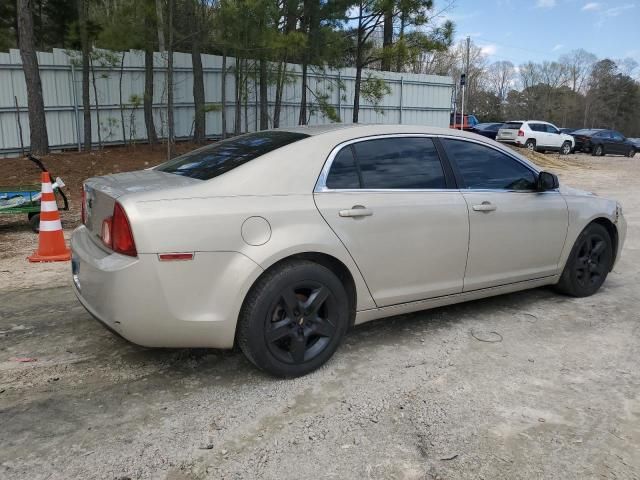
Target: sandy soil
{"x":552,"y":392}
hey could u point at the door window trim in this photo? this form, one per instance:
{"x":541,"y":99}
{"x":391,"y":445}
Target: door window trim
{"x":449,"y":176}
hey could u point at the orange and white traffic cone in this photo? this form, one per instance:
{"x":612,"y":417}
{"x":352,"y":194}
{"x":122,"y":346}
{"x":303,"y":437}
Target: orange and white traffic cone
{"x":51,"y":246}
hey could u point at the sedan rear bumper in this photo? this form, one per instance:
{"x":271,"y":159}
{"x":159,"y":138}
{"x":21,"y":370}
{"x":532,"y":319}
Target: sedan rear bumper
{"x":163,"y":304}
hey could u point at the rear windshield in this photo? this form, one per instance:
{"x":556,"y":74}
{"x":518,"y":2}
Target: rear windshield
{"x":213,"y":160}
{"x":512,"y":125}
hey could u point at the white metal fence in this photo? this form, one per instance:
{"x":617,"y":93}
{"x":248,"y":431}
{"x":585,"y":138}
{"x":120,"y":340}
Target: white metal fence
{"x":414,"y":99}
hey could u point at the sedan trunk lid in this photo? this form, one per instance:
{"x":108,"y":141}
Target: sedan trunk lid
{"x":101,"y":193}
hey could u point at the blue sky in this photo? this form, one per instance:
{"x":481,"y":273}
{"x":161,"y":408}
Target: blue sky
{"x":537,"y":30}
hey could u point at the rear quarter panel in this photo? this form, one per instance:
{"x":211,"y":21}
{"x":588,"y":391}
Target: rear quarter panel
{"x":215,"y":224}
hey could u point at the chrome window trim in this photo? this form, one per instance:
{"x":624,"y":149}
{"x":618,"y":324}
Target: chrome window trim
{"x":321,"y":183}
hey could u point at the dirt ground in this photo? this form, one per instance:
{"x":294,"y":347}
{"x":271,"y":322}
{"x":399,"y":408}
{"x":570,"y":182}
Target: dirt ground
{"x":527,"y":385}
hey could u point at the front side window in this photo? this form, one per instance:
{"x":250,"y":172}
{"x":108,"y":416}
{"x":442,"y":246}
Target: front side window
{"x":552,"y":129}
{"x":482,"y":167}
{"x":399,"y":163}
{"x":617,"y":136}
{"x":214,"y":160}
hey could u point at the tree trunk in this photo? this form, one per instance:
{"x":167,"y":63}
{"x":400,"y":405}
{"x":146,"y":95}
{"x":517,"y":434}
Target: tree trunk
{"x":97,"y":104}
{"x":124,"y":132}
{"x":264,"y":92}
{"x":160,"y":23}
{"x":152,"y":137}
{"x":356,"y":94}
{"x":359,"y":47}
{"x":387,"y":39}
{"x":237,"y":125}
{"x":37,"y":121}
{"x":170,"y":121}
{"x":223,"y":94}
{"x":302,"y":119}
{"x":84,"y":41}
{"x":280,"y":76}
{"x":199,"y":128}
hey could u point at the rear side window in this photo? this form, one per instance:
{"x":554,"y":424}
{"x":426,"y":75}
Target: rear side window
{"x":482,"y":167}
{"x":399,"y":163}
{"x":214,"y":160}
{"x":538,"y":127}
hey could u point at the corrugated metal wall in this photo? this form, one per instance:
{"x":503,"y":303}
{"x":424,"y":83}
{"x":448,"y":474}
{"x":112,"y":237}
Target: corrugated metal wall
{"x":414,"y":99}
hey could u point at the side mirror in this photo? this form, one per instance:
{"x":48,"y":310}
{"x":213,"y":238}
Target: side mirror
{"x":547,"y":181}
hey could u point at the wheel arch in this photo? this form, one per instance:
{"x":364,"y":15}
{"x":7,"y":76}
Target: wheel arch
{"x":336,"y":266}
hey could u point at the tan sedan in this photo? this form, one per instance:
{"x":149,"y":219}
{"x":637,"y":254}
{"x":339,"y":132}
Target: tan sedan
{"x":280,"y":240}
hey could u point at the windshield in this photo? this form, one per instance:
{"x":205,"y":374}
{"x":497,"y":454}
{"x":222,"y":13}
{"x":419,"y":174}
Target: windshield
{"x":214,"y":160}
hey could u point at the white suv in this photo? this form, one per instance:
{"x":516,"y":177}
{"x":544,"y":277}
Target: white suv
{"x":536,"y":135}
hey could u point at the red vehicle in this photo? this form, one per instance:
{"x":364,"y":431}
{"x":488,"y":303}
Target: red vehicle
{"x":470,"y":121}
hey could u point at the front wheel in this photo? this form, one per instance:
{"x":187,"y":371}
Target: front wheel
{"x":631,"y":153}
{"x":588,"y":264}
{"x":34,"y":221}
{"x":293,"y":319}
{"x":566,"y":148}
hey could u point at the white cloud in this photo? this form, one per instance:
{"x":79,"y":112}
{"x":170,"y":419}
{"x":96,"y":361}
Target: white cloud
{"x":546,"y":3}
{"x":591,"y":6}
{"x":557,"y":47}
{"x":615,"y":11}
{"x":489,"y":49}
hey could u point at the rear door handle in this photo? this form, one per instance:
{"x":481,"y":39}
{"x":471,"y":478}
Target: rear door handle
{"x":484,"y":207}
{"x":356,"y":211}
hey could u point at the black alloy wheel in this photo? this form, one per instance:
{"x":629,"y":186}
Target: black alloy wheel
{"x":301,"y":322}
{"x":589,"y":262}
{"x":294,"y":318}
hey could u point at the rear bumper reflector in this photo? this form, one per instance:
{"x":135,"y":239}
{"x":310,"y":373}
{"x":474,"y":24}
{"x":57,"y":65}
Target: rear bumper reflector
{"x":167,"y":257}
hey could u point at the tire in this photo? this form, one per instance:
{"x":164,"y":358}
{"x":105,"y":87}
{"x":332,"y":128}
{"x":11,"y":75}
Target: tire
{"x":34,"y":221}
{"x":282,"y":330}
{"x":597,"y":151}
{"x":588,"y":264}
{"x":530,"y":145}
{"x":565,"y":149}
{"x":631,"y":153}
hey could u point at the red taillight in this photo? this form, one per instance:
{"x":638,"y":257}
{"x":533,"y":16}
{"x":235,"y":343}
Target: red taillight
{"x":117,"y":234}
{"x":83,"y":207}
{"x":520,"y":133}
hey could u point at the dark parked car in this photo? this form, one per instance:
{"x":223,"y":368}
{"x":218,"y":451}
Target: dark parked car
{"x":601,"y":142}
{"x":489,"y":130}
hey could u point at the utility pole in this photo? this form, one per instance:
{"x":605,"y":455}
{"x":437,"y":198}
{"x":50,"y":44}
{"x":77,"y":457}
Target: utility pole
{"x":463,"y":81}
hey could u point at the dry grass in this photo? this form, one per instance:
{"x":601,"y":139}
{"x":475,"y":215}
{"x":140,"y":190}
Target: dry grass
{"x":550,"y":161}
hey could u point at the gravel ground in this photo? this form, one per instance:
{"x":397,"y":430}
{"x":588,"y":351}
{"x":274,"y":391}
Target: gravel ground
{"x":527,"y":385}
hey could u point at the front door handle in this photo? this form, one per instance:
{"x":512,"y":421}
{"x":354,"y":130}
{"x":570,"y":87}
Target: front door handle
{"x":356,"y":211}
{"x":484,"y":207}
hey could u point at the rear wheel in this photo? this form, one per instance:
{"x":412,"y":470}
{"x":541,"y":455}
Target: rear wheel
{"x":597,"y":151}
{"x":631,"y":153}
{"x":566,"y":148}
{"x":293,"y":319}
{"x":588,"y":264}
{"x":530,"y":145}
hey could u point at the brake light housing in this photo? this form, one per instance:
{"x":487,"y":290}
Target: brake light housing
{"x":520,"y":133}
{"x":116,"y":232}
